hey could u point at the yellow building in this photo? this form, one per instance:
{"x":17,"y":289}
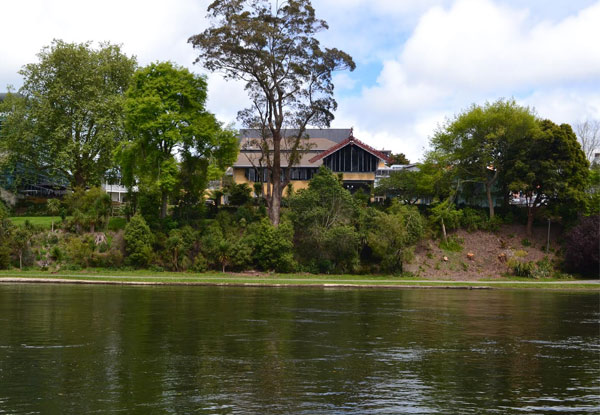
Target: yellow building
{"x":337,"y":149}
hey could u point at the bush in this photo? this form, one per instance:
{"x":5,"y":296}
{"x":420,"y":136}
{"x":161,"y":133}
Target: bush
{"x":453,"y":244}
{"x":272,"y":246}
{"x":79,"y":251}
{"x":138,"y":241}
{"x":341,"y":244}
{"x":582,"y":247}
{"x":473,"y":220}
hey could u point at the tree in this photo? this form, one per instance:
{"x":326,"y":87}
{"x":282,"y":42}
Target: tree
{"x":166,"y":119}
{"x":90,"y":208}
{"x":138,"y":241}
{"x":323,"y":215}
{"x":428,"y":182}
{"x":588,"y":133}
{"x":550,"y":169}
{"x":391,"y":236}
{"x":474,"y":143}
{"x":399,"y":158}
{"x":68,"y":115}
{"x":582,"y":246}
{"x":53,"y":206}
{"x":273,"y":49}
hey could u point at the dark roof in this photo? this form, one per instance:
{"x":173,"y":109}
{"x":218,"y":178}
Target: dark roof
{"x":337,"y":135}
{"x":355,"y":141}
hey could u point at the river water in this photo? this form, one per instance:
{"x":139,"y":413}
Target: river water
{"x":68,"y":349}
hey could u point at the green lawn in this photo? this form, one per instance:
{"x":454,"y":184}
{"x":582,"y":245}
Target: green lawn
{"x":44,"y":221}
{"x":285,"y":279}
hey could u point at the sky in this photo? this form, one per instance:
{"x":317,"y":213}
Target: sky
{"x":419,"y":62}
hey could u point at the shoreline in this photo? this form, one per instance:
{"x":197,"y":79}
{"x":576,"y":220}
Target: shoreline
{"x":275,"y":282}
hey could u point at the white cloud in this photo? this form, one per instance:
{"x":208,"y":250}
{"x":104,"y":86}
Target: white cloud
{"x":477,"y":51}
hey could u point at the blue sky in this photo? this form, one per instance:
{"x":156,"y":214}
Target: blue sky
{"x":419,"y":62}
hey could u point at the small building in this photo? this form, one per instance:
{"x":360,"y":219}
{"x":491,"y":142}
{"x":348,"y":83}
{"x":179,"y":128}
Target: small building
{"x":336,"y":149}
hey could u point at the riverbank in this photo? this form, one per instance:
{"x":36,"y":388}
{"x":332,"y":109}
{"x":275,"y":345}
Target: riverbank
{"x":281,"y":280}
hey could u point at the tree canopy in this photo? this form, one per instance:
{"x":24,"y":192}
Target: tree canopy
{"x":68,"y":115}
{"x":549,"y":168}
{"x":273,"y":49}
{"x":475,"y":142}
{"x":173,"y":143}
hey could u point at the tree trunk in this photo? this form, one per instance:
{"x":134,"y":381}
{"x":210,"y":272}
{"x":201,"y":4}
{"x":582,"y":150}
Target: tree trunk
{"x":275,"y":205}
{"x":20,"y":260}
{"x":444,"y":231}
{"x":530,"y":214}
{"x":488,"y":192}
{"x":163,"y":205}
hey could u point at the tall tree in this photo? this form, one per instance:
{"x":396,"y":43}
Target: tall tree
{"x":68,"y":115}
{"x":474,"y":143}
{"x":588,"y":133}
{"x":273,"y":49}
{"x":549,"y":167}
{"x":166,"y":120}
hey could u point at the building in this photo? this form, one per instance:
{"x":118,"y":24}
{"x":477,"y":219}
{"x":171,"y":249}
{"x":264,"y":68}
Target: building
{"x":336,"y":149}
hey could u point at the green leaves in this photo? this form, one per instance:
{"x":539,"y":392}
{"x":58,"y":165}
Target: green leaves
{"x":69,"y":115}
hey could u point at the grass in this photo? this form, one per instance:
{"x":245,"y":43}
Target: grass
{"x":117,"y":276}
{"x":114,"y":224}
{"x":42,"y":221}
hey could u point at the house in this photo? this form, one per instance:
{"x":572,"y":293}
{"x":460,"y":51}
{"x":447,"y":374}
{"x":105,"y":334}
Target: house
{"x":336,"y":149}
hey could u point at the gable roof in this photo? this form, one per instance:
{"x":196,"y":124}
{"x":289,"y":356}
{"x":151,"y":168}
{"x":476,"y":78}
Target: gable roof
{"x":336,"y":135}
{"x":351,"y":140}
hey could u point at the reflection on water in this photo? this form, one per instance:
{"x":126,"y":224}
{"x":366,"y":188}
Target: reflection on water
{"x":209,"y":350}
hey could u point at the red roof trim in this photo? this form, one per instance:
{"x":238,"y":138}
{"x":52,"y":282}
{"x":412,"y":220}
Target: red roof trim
{"x":347,"y":141}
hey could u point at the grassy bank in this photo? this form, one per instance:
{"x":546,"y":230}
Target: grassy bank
{"x":161,"y":278}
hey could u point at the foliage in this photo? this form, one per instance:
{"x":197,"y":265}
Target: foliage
{"x":452,"y":244}
{"x":529,"y":269}
{"x":391,"y":235}
{"x":315,"y":212}
{"x":79,"y":250}
{"x":272,"y":246}
{"x":273,"y":49}
{"x":549,"y":168}
{"x":238,"y":194}
{"x":138,"y":241}
{"x":90,"y":209}
{"x":429,"y":181}
{"x":68,"y":115}
{"x":399,"y":158}
{"x":446,"y":215}
{"x":582,"y":247}
{"x":475,"y":142}
{"x":165,"y":117}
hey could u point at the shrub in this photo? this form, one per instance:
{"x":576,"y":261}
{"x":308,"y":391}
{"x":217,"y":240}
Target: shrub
{"x":138,"y":241}
{"x":341,"y":243}
{"x":79,"y":251}
{"x":452,"y":244}
{"x":582,"y":247}
{"x":525,"y":242}
{"x":272,"y":246}
{"x":472,"y":219}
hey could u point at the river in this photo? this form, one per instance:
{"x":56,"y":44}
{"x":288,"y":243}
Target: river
{"x":75,"y":349}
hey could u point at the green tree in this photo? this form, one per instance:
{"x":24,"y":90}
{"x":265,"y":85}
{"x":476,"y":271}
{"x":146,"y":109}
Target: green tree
{"x":90,"y":208}
{"x":474,"y":144}
{"x":391,"y":236}
{"x":399,"y":158}
{"x":321,"y":213}
{"x":550,"y":169}
{"x":166,"y":117}
{"x":273,"y":49}
{"x":53,"y":206}
{"x":138,"y":241}
{"x":20,"y":242}
{"x":68,"y":115}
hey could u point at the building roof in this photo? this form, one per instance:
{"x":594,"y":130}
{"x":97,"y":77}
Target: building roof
{"x":336,"y":135}
{"x":250,"y":159}
{"x":351,"y":140}
{"x":316,"y":144}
